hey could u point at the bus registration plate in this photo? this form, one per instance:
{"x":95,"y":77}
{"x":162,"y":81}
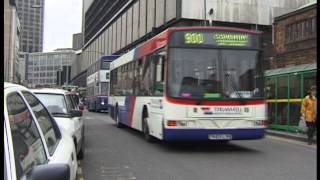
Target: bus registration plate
{"x":220,"y":136}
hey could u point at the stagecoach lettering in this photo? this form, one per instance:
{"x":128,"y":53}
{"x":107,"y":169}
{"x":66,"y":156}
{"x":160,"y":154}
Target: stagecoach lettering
{"x":228,"y":109}
{"x":224,"y":39}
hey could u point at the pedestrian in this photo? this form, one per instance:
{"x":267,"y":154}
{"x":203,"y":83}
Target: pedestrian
{"x":309,"y":112}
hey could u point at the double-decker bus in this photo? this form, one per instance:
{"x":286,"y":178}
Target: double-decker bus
{"x":98,"y":83}
{"x":192,"y":83}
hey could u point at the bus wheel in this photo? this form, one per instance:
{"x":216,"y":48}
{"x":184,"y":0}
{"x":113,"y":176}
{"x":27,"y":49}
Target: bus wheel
{"x":118,"y":123}
{"x":146,"y":133}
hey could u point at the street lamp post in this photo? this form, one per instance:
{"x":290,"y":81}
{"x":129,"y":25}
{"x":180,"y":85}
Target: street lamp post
{"x":60,"y":71}
{"x":210,"y":16}
{"x":205,"y":12}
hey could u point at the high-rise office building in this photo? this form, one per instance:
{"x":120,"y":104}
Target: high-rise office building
{"x":31,"y":15}
{"x":12,"y":33}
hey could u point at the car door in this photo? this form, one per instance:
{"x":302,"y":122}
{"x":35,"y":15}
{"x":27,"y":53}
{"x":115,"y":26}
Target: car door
{"x":78,"y":120}
{"x":50,"y":132}
{"x":48,"y":126}
{"x":23,"y":136}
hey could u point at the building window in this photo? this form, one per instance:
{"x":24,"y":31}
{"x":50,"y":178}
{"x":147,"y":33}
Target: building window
{"x":300,"y":30}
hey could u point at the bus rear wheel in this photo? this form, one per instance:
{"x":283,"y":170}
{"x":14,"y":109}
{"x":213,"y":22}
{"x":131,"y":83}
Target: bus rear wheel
{"x":118,"y":123}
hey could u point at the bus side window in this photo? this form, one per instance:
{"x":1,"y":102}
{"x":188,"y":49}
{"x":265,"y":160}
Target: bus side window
{"x":138,"y":77}
{"x":146,"y":78}
{"x":159,"y":62}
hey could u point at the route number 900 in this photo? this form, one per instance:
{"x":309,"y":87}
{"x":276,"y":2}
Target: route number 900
{"x":193,"y":38}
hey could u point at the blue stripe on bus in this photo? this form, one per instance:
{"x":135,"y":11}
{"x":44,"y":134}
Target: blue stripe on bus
{"x":202,"y":134}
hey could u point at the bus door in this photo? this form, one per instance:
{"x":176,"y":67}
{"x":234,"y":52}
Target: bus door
{"x":155,"y":120}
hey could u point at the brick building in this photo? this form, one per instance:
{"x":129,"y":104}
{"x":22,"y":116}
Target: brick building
{"x":294,"y":67}
{"x":295,"y":37}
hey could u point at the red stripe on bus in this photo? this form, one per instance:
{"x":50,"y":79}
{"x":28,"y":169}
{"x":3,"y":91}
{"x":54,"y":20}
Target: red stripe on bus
{"x":215,"y":103}
{"x":131,"y":109}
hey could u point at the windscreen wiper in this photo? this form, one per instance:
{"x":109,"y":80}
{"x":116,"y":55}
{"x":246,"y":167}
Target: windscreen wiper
{"x":233,"y":85}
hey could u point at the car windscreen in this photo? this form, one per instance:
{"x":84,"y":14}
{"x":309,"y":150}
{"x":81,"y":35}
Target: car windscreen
{"x":55,"y":103}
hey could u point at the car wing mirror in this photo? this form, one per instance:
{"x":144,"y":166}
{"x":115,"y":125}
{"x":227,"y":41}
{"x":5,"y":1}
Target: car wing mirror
{"x":50,"y":172}
{"x":76,"y":113}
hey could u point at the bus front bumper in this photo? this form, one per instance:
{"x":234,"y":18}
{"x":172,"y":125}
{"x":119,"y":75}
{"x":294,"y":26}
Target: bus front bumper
{"x":212,"y":134}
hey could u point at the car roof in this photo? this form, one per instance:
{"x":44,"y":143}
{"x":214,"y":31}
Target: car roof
{"x":50,"y":91}
{"x":8,"y":85}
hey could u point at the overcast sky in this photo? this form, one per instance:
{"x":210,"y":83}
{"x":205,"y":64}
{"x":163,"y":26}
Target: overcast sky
{"x":62,"y":18}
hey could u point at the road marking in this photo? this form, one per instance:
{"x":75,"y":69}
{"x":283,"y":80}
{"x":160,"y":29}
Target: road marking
{"x":291,"y":141}
{"x":79,"y":163}
{"x":81,"y":178}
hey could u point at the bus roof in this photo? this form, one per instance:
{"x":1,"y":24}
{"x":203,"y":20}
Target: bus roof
{"x":161,"y":40}
{"x":109,"y":57}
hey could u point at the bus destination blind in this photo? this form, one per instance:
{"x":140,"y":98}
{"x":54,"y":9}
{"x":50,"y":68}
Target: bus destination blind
{"x":216,"y":38}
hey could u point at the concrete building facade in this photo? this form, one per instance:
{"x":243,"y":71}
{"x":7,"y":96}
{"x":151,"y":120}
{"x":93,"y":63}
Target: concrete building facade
{"x":42,"y":68}
{"x":12,"y":30}
{"x":77,"y":41}
{"x":31,"y":14}
{"x":114,"y":27}
{"x":23,"y":58}
{"x":78,"y":79}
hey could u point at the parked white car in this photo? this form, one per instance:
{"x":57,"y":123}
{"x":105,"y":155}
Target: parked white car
{"x":67,"y":115}
{"x":34,"y":146}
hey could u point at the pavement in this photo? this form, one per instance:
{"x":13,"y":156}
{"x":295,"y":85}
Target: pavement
{"x":290,"y":135}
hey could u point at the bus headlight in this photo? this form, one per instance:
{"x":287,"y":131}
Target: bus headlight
{"x":180,"y":123}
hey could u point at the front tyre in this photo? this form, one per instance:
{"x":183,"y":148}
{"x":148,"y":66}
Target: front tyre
{"x":81,"y":152}
{"x":146,"y":132}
